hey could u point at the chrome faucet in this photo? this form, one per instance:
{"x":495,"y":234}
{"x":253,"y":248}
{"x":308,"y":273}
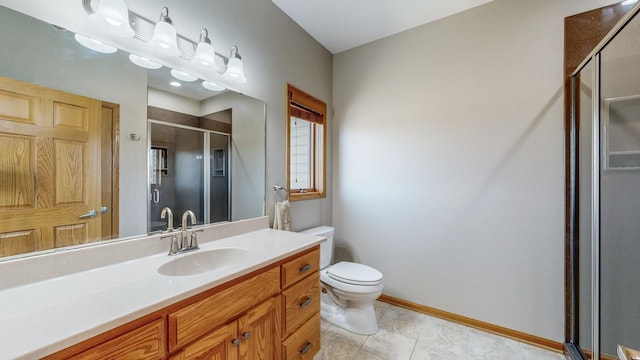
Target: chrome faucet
{"x":188,"y":241}
{"x":185,"y":230}
{"x":167,"y":212}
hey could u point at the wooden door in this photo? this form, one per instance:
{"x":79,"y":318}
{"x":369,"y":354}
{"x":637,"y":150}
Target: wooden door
{"x":110,"y":178}
{"x":218,"y":345}
{"x":49,"y":168}
{"x":259,"y":332}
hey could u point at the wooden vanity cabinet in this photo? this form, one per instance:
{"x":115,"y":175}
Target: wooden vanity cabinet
{"x":270,"y":314}
{"x":253,"y":336}
{"x":301,"y":306}
{"x":194,"y":320}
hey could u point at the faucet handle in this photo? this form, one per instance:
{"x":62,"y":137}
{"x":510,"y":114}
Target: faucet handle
{"x":193,"y":239}
{"x":174,"y":247}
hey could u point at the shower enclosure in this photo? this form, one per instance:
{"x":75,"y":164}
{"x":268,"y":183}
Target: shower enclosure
{"x":605,"y":196}
{"x":188,"y":170}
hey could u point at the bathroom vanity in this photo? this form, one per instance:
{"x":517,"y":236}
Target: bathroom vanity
{"x":262,"y":305}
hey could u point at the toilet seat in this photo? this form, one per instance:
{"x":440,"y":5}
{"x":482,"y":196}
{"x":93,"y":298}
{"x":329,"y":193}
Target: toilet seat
{"x":355,"y":274}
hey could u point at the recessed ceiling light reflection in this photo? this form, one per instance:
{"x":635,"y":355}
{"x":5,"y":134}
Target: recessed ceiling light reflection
{"x":95,"y":45}
{"x":175,"y":83}
{"x":628,"y":2}
{"x":209,"y":85}
{"x":181,"y":75}
{"x":144,"y":62}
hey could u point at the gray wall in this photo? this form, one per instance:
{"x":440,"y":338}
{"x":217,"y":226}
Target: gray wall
{"x":448,"y":162}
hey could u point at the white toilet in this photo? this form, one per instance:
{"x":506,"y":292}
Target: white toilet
{"x":348,"y":289}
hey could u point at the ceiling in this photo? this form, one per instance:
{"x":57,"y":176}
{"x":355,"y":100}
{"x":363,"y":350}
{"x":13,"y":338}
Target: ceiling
{"x":340,"y":25}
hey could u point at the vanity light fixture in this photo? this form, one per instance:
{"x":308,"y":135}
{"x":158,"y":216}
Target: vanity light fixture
{"x":205,"y":54}
{"x":210,"y":85}
{"x":235,"y":70}
{"x":115,"y":19}
{"x":164,"y":34}
{"x":94,"y":45}
{"x":115,"y":15}
{"x":181,"y":75}
{"x":144,"y":62}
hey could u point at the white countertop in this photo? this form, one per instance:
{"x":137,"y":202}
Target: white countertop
{"x":40,"y":318}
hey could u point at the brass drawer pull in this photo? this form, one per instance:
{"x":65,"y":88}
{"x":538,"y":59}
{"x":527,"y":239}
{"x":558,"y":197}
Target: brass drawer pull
{"x":306,"y":302}
{"x":305,"y":268}
{"x":306,"y":348}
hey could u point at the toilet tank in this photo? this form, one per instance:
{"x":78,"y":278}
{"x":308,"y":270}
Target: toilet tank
{"x":326,"y":248}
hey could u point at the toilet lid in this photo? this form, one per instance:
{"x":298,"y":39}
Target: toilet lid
{"x":353,"y":273}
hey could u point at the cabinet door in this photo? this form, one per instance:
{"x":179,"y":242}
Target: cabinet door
{"x":259,"y":331}
{"x":197,"y":319}
{"x":218,"y":345}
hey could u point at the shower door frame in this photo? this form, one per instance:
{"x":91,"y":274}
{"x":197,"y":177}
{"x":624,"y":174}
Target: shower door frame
{"x":572,"y":346}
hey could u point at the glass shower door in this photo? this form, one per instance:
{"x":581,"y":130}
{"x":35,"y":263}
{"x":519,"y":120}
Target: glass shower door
{"x":620,"y":191}
{"x":176,"y":174}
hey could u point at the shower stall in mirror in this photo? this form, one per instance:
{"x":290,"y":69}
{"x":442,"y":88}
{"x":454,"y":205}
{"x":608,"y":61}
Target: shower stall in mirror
{"x":188,"y":170}
{"x":605,"y":197}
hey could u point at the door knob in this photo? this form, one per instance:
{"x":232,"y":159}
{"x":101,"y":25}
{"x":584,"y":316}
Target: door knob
{"x":89,"y":215}
{"x":104,"y":209}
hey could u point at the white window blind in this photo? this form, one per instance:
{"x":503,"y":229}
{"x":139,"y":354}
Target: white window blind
{"x":301,"y":151}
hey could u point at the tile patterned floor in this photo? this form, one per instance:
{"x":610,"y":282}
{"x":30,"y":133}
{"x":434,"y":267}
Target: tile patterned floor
{"x":408,"y":335}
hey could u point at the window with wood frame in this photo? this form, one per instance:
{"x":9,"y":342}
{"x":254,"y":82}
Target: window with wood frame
{"x":306,"y":145}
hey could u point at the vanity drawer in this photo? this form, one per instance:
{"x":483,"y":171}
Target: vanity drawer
{"x":203,"y":316}
{"x":305,"y":343}
{"x":300,"y":267}
{"x":145,"y":342}
{"x":300,"y":302}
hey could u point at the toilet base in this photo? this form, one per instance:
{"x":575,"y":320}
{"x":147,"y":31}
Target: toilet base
{"x":357,"y":317}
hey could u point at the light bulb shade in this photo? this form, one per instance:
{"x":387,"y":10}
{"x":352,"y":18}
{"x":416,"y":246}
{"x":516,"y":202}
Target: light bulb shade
{"x":235,"y":71}
{"x":181,"y":75}
{"x":164,"y":38}
{"x":144,"y":62}
{"x":205,"y":54}
{"x":209,"y":85}
{"x":95,"y":45}
{"x":114,"y":15}
{"x":164,"y":35}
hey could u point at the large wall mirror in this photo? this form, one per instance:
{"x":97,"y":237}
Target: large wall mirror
{"x":46,"y":74}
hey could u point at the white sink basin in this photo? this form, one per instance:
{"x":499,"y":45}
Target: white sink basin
{"x":203,"y":261}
